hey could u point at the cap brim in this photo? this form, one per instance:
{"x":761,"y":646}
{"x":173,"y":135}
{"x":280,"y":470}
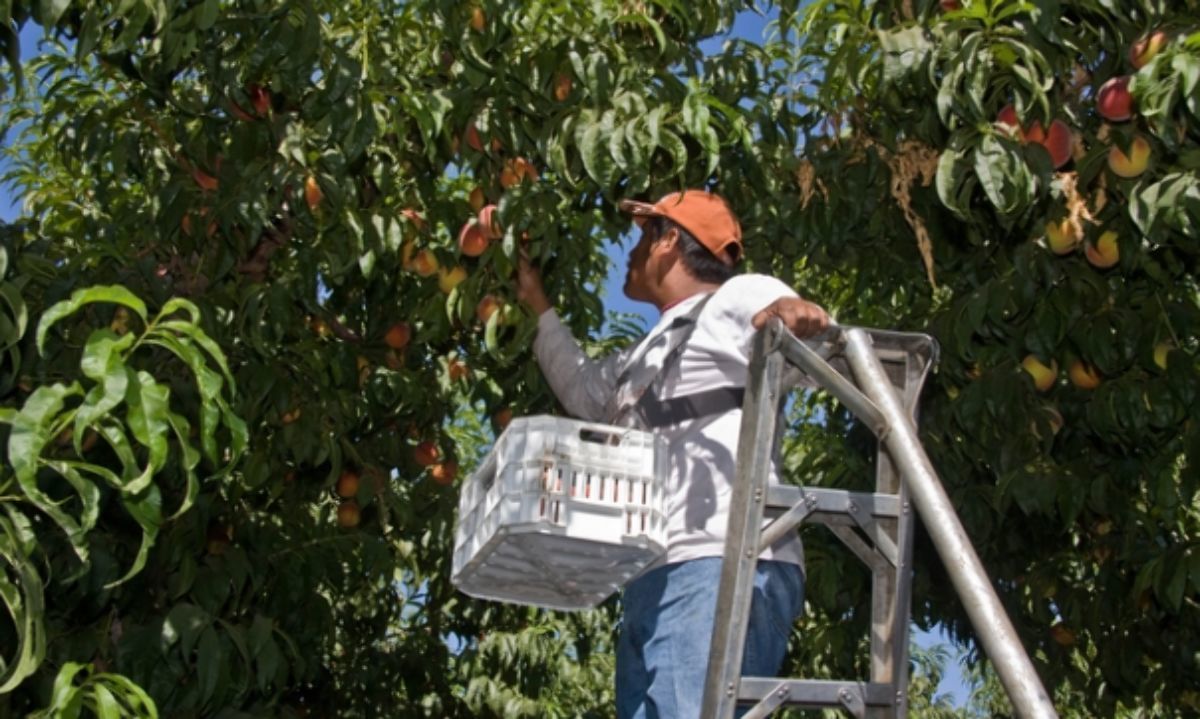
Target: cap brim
{"x":637,"y":209}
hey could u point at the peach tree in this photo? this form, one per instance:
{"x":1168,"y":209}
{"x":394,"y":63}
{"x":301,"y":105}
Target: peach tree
{"x":259,"y":321}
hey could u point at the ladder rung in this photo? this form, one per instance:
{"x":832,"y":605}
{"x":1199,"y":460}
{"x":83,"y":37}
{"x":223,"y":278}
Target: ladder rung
{"x":817,"y":693}
{"x":833,"y":501}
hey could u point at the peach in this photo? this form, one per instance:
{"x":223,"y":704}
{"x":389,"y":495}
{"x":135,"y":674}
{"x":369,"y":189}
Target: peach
{"x":488,"y":306}
{"x":1062,"y":237}
{"x":364,"y":369}
{"x":320,"y":327}
{"x":1083,"y":375}
{"x":1008,"y":117}
{"x":414,"y":217}
{"x":448,"y":279}
{"x":260,"y":97}
{"x":426,"y":453}
{"x":472,"y":241}
{"x":347,"y":484}
{"x":398,"y":336}
{"x":425,"y":263}
{"x":207,"y":182}
{"x":1043,"y":376}
{"x":348,"y":514}
{"x":1161,"y":350}
{"x":1058,"y":143}
{"x":950,"y":5}
{"x":1058,"y":140}
{"x":1062,"y":635}
{"x":1133,"y":164}
{"x":562,"y":86}
{"x":312,"y":193}
{"x":477,"y":199}
{"x":1104,"y":253}
{"x":517,"y":170}
{"x":1114,"y":101}
{"x":444,"y":472}
{"x":502,"y":417}
{"x":472,"y":138}
{"x":457,"y":369}
{"x":1147,"y":48}
{"x":478,"y":19}
{"x":488,"y":220}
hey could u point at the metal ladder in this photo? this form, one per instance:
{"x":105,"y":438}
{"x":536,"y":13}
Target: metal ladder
{"x":878,"y":376}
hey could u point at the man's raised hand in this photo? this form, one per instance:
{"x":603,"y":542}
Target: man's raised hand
{"x":529,"y":286}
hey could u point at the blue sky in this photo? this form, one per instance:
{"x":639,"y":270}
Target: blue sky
{"x":750,"y":26}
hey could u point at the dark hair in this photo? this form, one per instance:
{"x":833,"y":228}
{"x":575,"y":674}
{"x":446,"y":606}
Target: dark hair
{"x":697,"y":260}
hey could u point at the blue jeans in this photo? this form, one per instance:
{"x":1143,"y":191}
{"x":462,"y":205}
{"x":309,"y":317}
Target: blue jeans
{"x":662,"y":649}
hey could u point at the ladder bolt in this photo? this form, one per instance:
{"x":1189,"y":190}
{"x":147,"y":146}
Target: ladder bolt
{"x":729,"y":690}
{"x":852,"y":508}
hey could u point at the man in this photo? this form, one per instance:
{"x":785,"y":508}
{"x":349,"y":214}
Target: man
{"x":684,"y":379}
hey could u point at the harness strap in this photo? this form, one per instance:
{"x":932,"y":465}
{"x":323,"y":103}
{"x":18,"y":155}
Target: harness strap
{"x":646,"y":410}
{"x":656,"y":413}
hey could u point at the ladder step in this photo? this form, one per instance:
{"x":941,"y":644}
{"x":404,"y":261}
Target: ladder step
{"x":817,"y":694}
{"x":832,"y":501}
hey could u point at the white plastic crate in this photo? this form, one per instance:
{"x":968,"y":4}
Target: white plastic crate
{"x":561,"y":513}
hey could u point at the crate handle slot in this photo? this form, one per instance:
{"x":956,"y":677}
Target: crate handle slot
{"x":596,"y":436}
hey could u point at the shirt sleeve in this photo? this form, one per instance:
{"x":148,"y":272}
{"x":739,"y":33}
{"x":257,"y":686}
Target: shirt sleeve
{"x":743,"y":297}
{"x":583,"y":385}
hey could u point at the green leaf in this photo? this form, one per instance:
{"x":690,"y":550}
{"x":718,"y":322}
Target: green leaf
{"x":134,"y":697}
{"x":193,"y":333}
{"x":24,"y":603}
{"x":64,"y":690}
{"x":954,"y":182}
{"x":646,"y":21}
{"x":102,"y":293}
{"x":147,"y":512}
{"x":107,"y":706}
{"x":30,"y":432}
{"x":16,"y":305}
{"x":147,"y":418}
{"x":102,"y":361}
{"x":674,"y":146}
{"x":191,"y":458}
{"x":206,"y":14}
{"x":49,"y":12}
{"x":593,"y":148}
{"x":89,"y":493}
{"x":208,"y":663}
{"x":183,"y":625}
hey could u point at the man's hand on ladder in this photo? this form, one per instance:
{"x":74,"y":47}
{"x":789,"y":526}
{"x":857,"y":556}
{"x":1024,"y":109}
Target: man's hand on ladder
{"x":801,"y":317}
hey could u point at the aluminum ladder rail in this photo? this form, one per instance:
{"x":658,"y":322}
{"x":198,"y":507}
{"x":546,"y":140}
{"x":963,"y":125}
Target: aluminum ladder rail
{"x":878,"y":376}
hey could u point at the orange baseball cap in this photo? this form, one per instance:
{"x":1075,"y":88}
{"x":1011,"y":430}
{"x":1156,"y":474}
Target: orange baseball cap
{"x":706,"y":216}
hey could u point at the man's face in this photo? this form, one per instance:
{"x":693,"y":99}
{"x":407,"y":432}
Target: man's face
{"x":637,"y":276}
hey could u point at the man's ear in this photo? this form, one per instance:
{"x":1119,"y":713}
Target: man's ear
{"x":667,"y":241}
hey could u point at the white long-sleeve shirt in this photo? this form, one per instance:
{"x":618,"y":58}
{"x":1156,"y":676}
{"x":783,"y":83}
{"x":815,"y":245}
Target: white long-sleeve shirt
{"x":702,"y":452}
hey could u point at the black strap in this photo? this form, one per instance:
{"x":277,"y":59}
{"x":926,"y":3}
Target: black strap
{"x":657,"y":413}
